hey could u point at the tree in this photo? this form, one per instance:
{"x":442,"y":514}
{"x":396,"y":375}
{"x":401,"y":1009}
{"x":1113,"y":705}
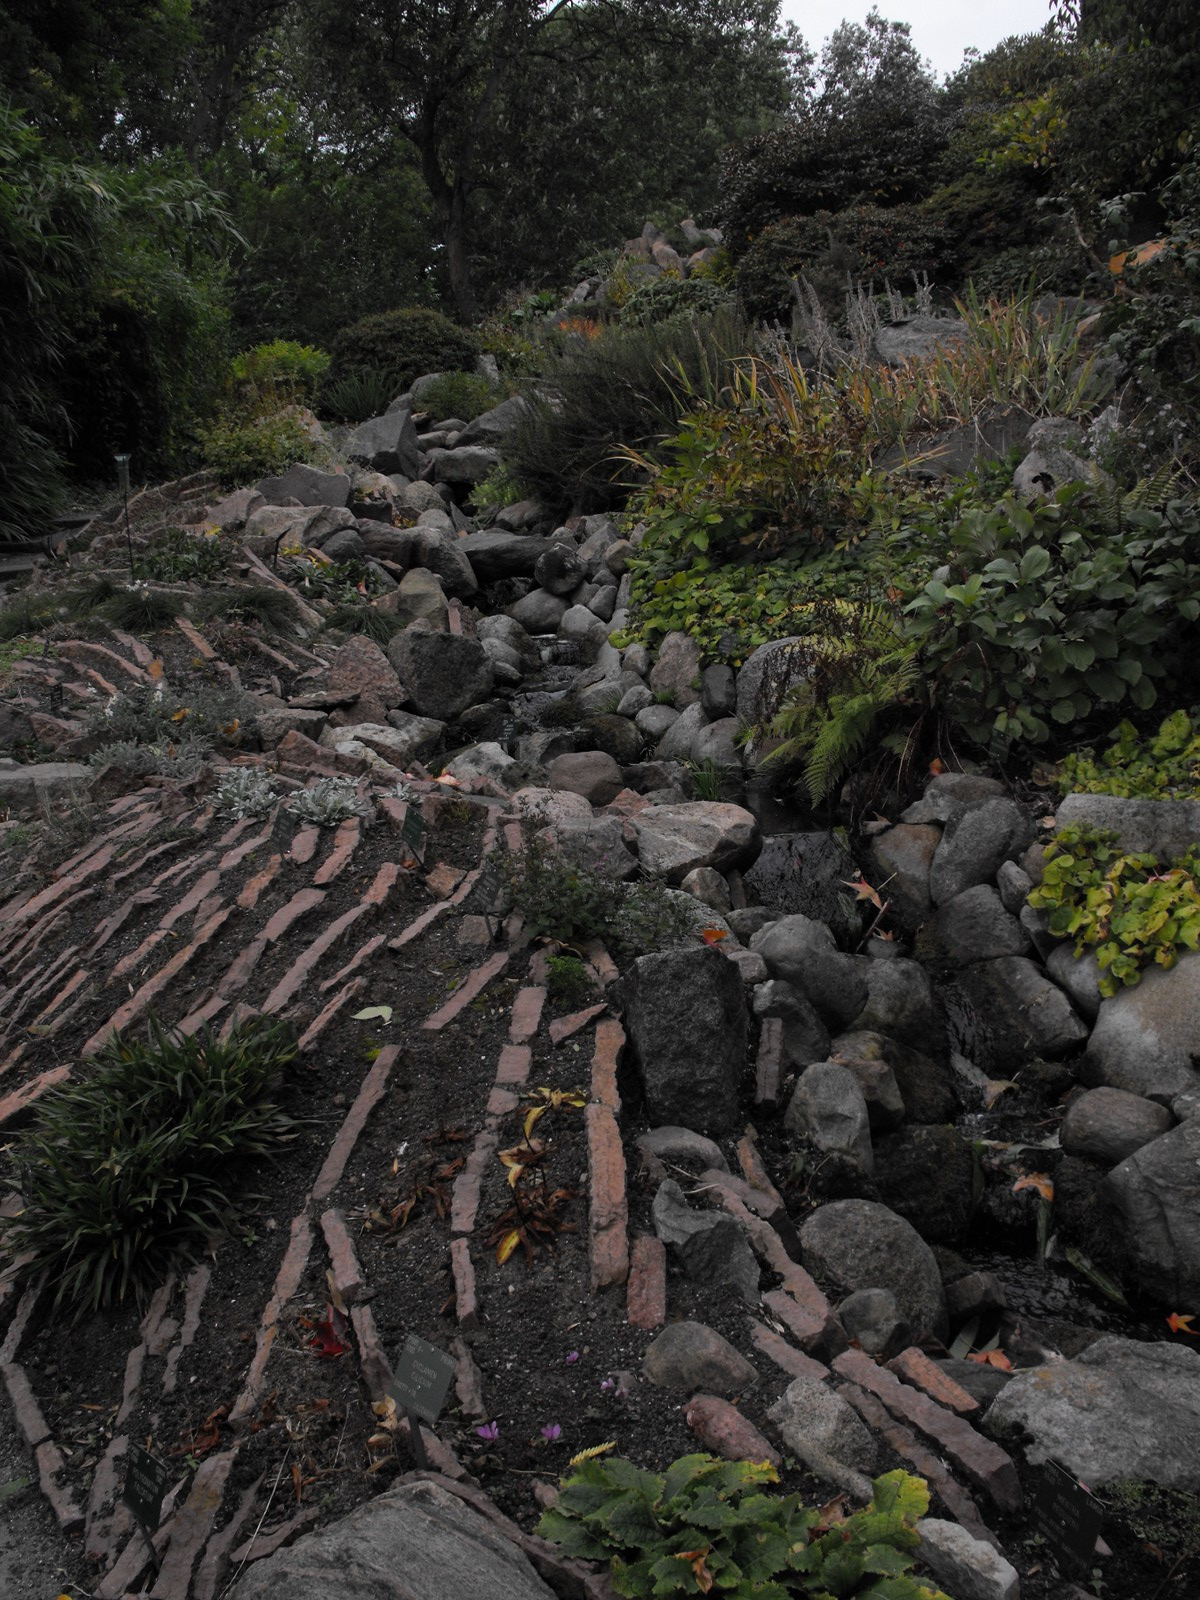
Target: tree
{"x":459,"y":81}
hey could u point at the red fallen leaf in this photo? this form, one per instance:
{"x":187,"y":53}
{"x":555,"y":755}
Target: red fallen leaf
{"x":1178,"y":1324}
{"x":992,"y":1358}
{"x":326,"y":1340}
{"x":1035,"y":1180}
{"x":937,"y":767}
{"x":713,"y":935}
{"x":863,"y":890}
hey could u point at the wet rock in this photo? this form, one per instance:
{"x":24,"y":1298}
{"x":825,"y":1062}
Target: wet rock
{"x":1026,"y":1014}
{"x":444,"y":673}
{"x":975,"y":842}
{"x":415,"y":1542}
{"x":974,"y":926}
{"x":1120,"y":1409}
{"x":685,"y":1013}
{"x":819,"y":1427}
{"x":803,"y":952}
{"x":947,"y":793}
{"x":1146,"y":1039}
{"x":901,"y":857}
{"x":872,"y":1319}
{"x":926,"y":1086}
{"x":673,"y":840}
{"x":558,"y":569}
{"x":807,"y":873}
{"x":900,"y":1003}
{"x":687,"y":1355}
{"x":860,"y":1244}
{"x":615,"y":735}
{"x":1156,"y":1193}
{"x":677,"y":670}
{"x":1109,"y":1124}
{"x":968,"y":1568}
{"x":828,"y":1108}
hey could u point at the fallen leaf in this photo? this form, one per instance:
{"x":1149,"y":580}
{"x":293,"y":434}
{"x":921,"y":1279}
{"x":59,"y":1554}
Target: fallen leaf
{"x":1035,"y":1180}
{"x":992,"y":1358}
{"x":507,"y":1245}
{"x":713,"y":935}
{"x":449,"y":780}
{"x":1178,"y":1324}
{"x":326,"y":1339}
{"x":371,"y":1013}
{"x":863,"y":891}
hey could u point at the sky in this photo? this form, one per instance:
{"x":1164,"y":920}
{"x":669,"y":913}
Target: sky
{"x":941,"y":29}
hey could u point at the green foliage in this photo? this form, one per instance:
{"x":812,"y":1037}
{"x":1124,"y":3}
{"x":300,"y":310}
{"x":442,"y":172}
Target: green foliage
{"x":854,"y":668}
{"x":623,"y":387}
{"x":281,"y":370}
{"x":573,"y":903}
{"x":669,"y":296}
{"x":1164,"y":767}
{"x":245,"y":792}
{"x":359,"y":395}
{"x":255,"y":602}
{"x":128,"y":1173}
{"x":176,"y":556}
{"x":407,"y":343}
{"x":240,"y":449}
{"x":1056,"y":614}
{"x":154,"y":714}
{"x":140,"y":607}
{"x":352,"y":617}
{"x":1125,"y":907}
{"x":866,"y":244}
{"x":706,"y":1524}
{"x":465,"y":395}
{"x":567,"y":979}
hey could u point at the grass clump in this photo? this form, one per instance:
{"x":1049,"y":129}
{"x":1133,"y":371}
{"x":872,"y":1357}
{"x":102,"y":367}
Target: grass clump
{"x":139,"y":606}
{"x":259,"y":602}
{"x":133,"y":1171}
{"x":364,"y":619}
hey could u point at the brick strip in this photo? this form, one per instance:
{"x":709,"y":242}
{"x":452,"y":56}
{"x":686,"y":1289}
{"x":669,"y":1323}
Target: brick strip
{"x":768,"y":1072}
{"x":287,"y":1281}
{"x":304,"y":846}
{"x":367,"y":1098}
{"x":52,"y":1473}
{"x":983,"y":1461}
{"x":464,"y":1203}
{"x":564,"y":1027}
{"x":238,"y":853}
{"x":196,"y":639}
{"x":610,"y":1041}
{"x":788,"y":1359}
{"x":324,"y":1017}
{"x":359,"y":959}
{"x":143,"y":861}
{"x":473,"y":984}
{"x":374,"y":899}
{"x":417,"y":927}
{"x":192,"y":1524}
{"x":66,"y":884}
{"x":209,"y":1581}
{"x":150,"y":990}
{"x":526,"y":1014}
{"x":905,"y":1443}
{"x":15,"y":1104}
{"x":253,"y":888}
{"x":755,"y":1173}
{"x":646,"y":1296}
{"x":80,"y":651}
{"x":913,"y":1366}
{"x":195,"y":1289}
{"x":515,"y":1062}
{"x":373,"y":1364}
{"x":113,"y":924}
{"x":266,"y":1544}
{"x":468,"y":1380}
{"x":608,"y":1211}
{"x":345,"y":842}
{"x":343,"y":1258}
{"x":466,"y":1304}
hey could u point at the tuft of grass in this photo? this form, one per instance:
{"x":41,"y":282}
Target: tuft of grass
{"x":253,"y":603}
{"x":131,"y":1172}
{"x":140,"y":607}
{"x":375,"y":624}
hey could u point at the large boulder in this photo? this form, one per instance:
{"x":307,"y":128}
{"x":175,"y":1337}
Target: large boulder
{"x":805,"y":1036}
{"x":673,"y":840}
{"x":308,"y":486}
{"x":690,"y":1356}
{"x":1108,"y":1125}
{"x":803,"y":953}
{"x":492,"y":427}
{"x":917,"y":338}
{"x":415,"y":1542}
{"x":807,"y":873}
{"x":974,"y":926}
{"x":1162,"y":828}
{"x":820,"y":1428}
{"x":685,"y":1012}
{"x":1146,"y":1039}
{"x":1120,"y":1409}
{"x":359,"y":667}
{"x":677,"y":670}
{"x":399,"y":742}
{"x":303,"y":525}
{"x":444,"y":673}
{"x":767,"y":676}
{"x":387,"y":444}
{"x":418,"y":597}
{"x":925,"y":1084}
{"x":467,"y":465}
{"x":859,"y":1244}
{"x":711,"y":1247}
{"x":1026,"y":1014}
{"x":829,"y":1109}
{"x":495,"y":554}
{"x":977,"y":839}
{"x":1156,"y":1192}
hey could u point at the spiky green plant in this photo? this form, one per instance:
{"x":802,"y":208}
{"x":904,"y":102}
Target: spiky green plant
{"x":258,"y":602}
{"x":364,"y":619}
{"x":131,"y":1171}
{"x":140,"y":607}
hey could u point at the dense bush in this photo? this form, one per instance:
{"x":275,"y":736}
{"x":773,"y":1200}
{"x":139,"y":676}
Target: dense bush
{"x":406,"y":344}
{"x":242,"y":448}
{"x":282,"y":369}
{"x":670,"y":296}
{"x":625,"y":386}
{"x":865,"y":244}
{"x":465,"y":395}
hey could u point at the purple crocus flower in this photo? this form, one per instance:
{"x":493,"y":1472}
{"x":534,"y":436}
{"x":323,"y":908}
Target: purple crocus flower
{"x":552,"y":1433}
{"x":490,"y":1431}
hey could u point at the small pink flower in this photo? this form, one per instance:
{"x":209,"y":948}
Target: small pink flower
{"x":571,"y":1357}
{"x":552,"y":1433}
{"x":490,"y":1431}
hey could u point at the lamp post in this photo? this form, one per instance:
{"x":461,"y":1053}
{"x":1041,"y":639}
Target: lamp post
{"x":122,"y":461}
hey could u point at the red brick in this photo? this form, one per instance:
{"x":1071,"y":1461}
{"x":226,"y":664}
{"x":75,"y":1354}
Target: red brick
{"x":513,"y":1066}
{"x":983,"y":1461}
{"x":65,"y":885}
{"x":610,"y":1041}
{"x":254,"y":886}
{"x":464,"y":1203}
{"x":360,"y":958}
{"x":374,"y":1367}
{"x":326,"y":1015}
{"x":914,"y":1367}
{"x":785,"y":1356}
{"x":304,"y":846}
{"x":724,"y":1431}
{"x":419,"y":924}
{"x":303,"y":901}
{"x":150,"y":991}
{"x":20,"y":1321}
{"x":107,"y":1519}
{"x":768,"y":1071}
{"x":81,"y":651}
{"x":15,"y":1104}
{"x":501,"y":1102}
{"x":52,"y":1473}
{"x":906,"y":1444}
{"x":192,"y":1525}
{"x":526,"y":1014}
{"x":443,"y":880}
{"x":209,"y":1582}
{"x":304,"y":965}
{"x":24,"y":1403}
{"x":195,"y":1289}
{"x":755,"y":1173}
{"x":234,"y":857}
{"x":646,"y":1296}
{"x":113,"y":924}
{"x":141,"y":653}
{"x":465,"y":1302}
{"x":343,"y":1258}
{"x":564,"y":1027}
{"x":512,"y":837}
{"x":807,"y":1322}
{"x":368,"y":1097}
{"x":474,"y":984}
{"x":196,"y":639}
{"x":608,"y":1211}
{"x":135,"y":1363}
{"x":287,"y":1281}
{"x":345,"y":842}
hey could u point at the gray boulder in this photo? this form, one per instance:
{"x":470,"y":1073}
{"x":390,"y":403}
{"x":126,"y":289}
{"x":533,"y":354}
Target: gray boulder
{"x":1156,"y":1193}
{"x":495,"y":554}
{"x":803,"y":953}
{"x":1146,"y":1039}
{"x":591,"y":773}
{"x":1026,"y":1014}
{"x":558,"y":569}
{"x":767,"y":676}
{"x":925,"y":1085}
{"x":309,"y":486}
{"x":685,"y":1013}
{"x":947,"y":793}
{"x":673,"y":840}
{"x":492,"y":427}
{"x":917,"y":338}
{"x":1120,"y":1409}
{"x":418,"y":597}
{"x":807,"y":873}
{"x":539,"y":611}
{"x":711,"y":1247}
{"x":805,"y":1036}
{"x":387,"y":444}
{"x":968,"y":1568}
{"x":1162,"y":828}
{"x":872,"y":1319}
{"x":400,"y":741}
{"x":415,"y":1542}
{"x":444,"y":673}
{"x":975,"y":842}
{"x":821,"y":1428}
{"x":687,"y":1355}
{"x":828,"y":1108}
{"x":859,"y":1244}
{"x":718,"y":691}
{"x":901,"y":858}
{"x":900,"y":1003}
{"x":305,"y":525}
{"x":676,"y":743}
{"x":677,"y":670}
{"x":974,"y":926}
{"x":1078,"y":977}
{"x":468,"y":465}
{"x":717,"y":743}
{"x":443,"y":554}
{"x":1108,"y":1125}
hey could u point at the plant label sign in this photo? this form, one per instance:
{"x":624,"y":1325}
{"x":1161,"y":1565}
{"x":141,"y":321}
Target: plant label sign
{"x":412,"y":831}
{"x":145,"y":1484}
{"x":422,"y":1377}
{"x":1067,"y":1516}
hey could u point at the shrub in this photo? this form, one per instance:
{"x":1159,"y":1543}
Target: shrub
{"x":176,"y":556}
{"x":241,"y":449}
{"x":171,"y":758}
{"x":706,"y":1525}
{"x":866,"y":244}
{"x":281,"y":370}
{"x":1056,"y":614}
{"x":359,"y":395}
{"x":408,"y":343}
{"x":668,"y":296}
{"x":1164,"y":767}
{"x":329,"y":801}
{"x":465,"y":395}
{"x":154,"y":714}
{"x":128,"y":1173}
{"x":246,"y":792}
{"x":624,"y":387}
